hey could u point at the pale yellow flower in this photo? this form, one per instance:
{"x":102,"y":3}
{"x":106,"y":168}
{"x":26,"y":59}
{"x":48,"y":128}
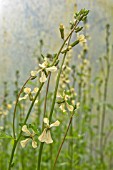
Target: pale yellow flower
{"x":81,"y":38}
{"x":28,"y":93}
{"x":34,"y":73}
{"x":64,"y":102}
{"x":43,"y":77}
{"x":44,"y":69}
{"x":30,"y":137}
{"x":77,"y":105}
{"x":46,"y":135}
{"x":27,"y":90}
{"x":9,"y":106}
{"x":35,"y":90}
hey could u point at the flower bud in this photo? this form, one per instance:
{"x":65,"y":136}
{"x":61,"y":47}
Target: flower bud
{"x":61,"y":28}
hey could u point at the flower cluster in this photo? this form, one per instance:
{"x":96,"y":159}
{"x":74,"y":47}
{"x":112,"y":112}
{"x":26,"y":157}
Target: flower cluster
{"x":29,"y":93}
{"x":44,"y":137}
{"x":64,"y":102}
{"x":45,"y":68}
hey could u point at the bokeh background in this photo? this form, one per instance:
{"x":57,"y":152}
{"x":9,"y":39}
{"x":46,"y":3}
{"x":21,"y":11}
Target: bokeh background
{"x":24,"y":22}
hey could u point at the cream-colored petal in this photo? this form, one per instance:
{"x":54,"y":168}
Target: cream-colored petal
{"x":51,"y":69}
{"x":34,"y":144}
{"x":34,"y":73}
{"x":36,"y":101}
{"x":43,"y":136}
{"x":66,"y":97}
{"x":70,"y":107}
{"x":35,"y":90}
{"x":48,"y":138}
{"x":27,"y":90}
{"x":62,"y":107}
{"x":43,"y":77}
{"x":25,"y":129}
{"x":44,"y":64}
{"x":23,"y":98}
{"x":9,"y":106}
{"x":59,"y":95}
{"x":57,"y":123}
{"x":77,"y":105}
{"x":24,"y":142}
{"x":46,"y":120}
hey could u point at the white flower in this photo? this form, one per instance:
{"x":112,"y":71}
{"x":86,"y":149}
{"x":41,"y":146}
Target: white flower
{"x":44,"y":69}
{"x":34,"y":73}
{"x":64,"y":102}
{"x":28,"y":93}
{"x":35,"y":90}
{"x":77,"y":105}
{"x":9,"y":106}
{"x":27,"y":90}
{"x":62,"y":107}
{"x":45,"y":66}
{"x":81,"y":38}
{"x":51,"y":69}
{"x":43,"y":77}
{"x":46,"y":135}
{"x":30,"y":137}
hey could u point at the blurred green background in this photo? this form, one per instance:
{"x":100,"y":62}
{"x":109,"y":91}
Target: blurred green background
{"x":23,"y":23}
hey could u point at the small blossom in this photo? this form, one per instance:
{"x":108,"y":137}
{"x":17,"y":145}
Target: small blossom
{"x":46,"y":135}
{"x":9,"y":106}
{"x":62,"y":107}
{"x":27,"y":90}
{"x":44,"y":69}
{"x":64,"y":102}
{"x":43,"y":77}
{"x":35,"y":90}
{"x":51,"y":69}
{"x":77,"y":105}
{"x":31,"y":136}
{"x":34,"y":73}
{"x":81,"y":38}
{"x":28,"y":93}
{"x":23,"y":98}
{"x":70,"y":107}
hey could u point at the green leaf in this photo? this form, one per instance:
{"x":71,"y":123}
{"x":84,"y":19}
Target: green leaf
{"x":3,"y":135}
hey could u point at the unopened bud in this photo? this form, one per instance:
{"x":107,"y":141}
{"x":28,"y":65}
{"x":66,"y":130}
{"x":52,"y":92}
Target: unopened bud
{"x":61,"y":28}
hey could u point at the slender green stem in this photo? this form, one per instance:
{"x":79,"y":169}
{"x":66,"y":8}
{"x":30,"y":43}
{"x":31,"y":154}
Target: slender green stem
{"x":56,"y":88}
{"x":45,"y":104}
{"x":40,"y":155}
{"x":14,"y":114}
{"x":59,"y":150}
{"x":12,"y":155}
{"x":105,"y":93}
